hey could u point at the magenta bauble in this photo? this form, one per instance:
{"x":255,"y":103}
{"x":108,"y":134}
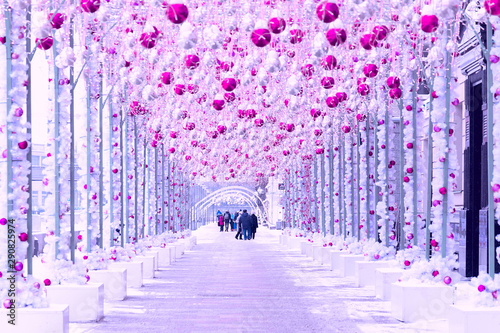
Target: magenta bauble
{"x":341,"y":96}
{"x":260,"y":37}
{"x":332,"y":101}
{"x":380,"y":32}
{"x":442,"y":190}
{"x":289,"y":127}
{"x":363,"y":89}
{"x":47,"y":282}
{"x":7,"y":303}
{"x":327,"y":11}
{"x":190,"y":126}
{"x":229,"y":84}
{"x":18,"y":112}
{"x":409,"y":145}
{"x":259,"y":122}
{"x":45,"y":43}
{"x":370,"y":70}
{"x":435,"y":273}
{"x":307,"y":70}
{"x":90,"y":6}
{"x":148,"y":39}
{"x":393,"y":82}
{"x":18,"y":266}
{"x":429,"y":23}
{"x":192,"y":61}
{"x":23,"y":145}
{"x":395,"y":93}
{"x":177,"y":13}
{"x":336,"y":36}
{"x":346,"y":129}
{"x":315,"y":113}
{"x":481,"y":288}
{"x":167,"y":78}
{"x":218,"y":104}
{"x":276,"y":25}
{"x":57,"y":20}
{"x":327,"y":82}
{"x":447,"y":280}
{"x":320,"y":151}
{"x":492,"y":7}
{"x":251,"y":113}
{"x":296,"y":36}
{"x":23,"y":237}
{"x":229,"y":97}
{"x":179,"y":89}
{"x":221,"y":129}
{"x":368,"y":41}
{"x":329,"y":63}
{"x":407,"y":263}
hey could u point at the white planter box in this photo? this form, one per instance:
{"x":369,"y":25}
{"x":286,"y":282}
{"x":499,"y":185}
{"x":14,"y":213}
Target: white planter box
{"x":303,"y":247}
{"x":325,"y":255}
{"x":317,"y":253}
{"x":294,"y":243}
{"x":156,"y":255}
{"x":163,"y":256}
{"x":148,"y":266}
{"x":115,"y":283}
{"x":309,"y":250}
{"x":346,"y":264}
{"x":413,"y":302}
{"x":384,"y":278}
{"x":134,"y":272}
{"x":54,"y":319}
{"x":173,"y":253}
{"x":364,"y":271}
{"x":335,"y":259}
{"x":179,"y":250}
{"x":284,"y":240}
{"x":463,"y":318}
{"x":86,"y":302}
{"x":194,"y":240}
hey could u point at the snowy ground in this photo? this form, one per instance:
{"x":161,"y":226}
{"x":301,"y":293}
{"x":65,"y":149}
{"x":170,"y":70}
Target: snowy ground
{"x":227,"y":285}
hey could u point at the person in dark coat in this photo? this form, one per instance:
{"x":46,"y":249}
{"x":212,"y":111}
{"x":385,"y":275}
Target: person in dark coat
{"x":227,"y":219}
{"x":246,"y":224}
{"x":238,"y":226}
{"x":255,"y":225}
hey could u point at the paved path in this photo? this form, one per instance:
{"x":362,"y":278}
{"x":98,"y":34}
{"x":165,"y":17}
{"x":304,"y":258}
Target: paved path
{"x":227,"y":285}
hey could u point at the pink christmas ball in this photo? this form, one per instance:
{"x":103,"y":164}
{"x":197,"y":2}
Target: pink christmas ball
{"x":276,"y":25}
{"x":492,"y":7}
{"x":45,"y":43}
{"x":148,"y":39}
{"x":187,"y":157}
{"x":36,"y":285}
{"x":336,"y":36}
{"x":332,"y":101}
{"x":376,"y":256}
{"x":177,"y":13}
{"x":7,"y":303}
{"x":307,"y":70}
{"x":229,"y":97}
{"x":57,"y":20}
{"x":260,"y":37}
{"x":179,"y":89}
{"x":429,"y":23}
{"x":47,"y":282}
{"x":409,"y":236}
{"x":193,"y":88}
{"x":251,"y":113}
{"x":115,"y":170}
{"x":393,"y":82}
{"x":259,"y":122}
{"x":442,"y":190}
{"x":435,"y":273}
{"x":368,"y":41}
{"x":18,"y":266}
{"x":23,"y":237}
{"x":327,"y":11}
{"x":171,"y":150}
{"x":407,"y":263}
{"x":320,"y":151}
{"x":494,"y":294}
{"x":327,"y":82}
{"x":229,"y":84}
{"x":286,"y":152}
{"x":192,"y":61}
{"x":363,"y":89}
{"x":289,"y":127}
{"x":395,"y":93}
{"x":447,"y":280}
{"x":167,"y":78}
{"x":481,"y":288}
{"x":329,"y":63}
{"x":341,"y":96}
{"x":296,"y":36}
{"x":315,"y":113}
{"x":409,"y":145}
{"x":346,"y":129}
{"x":380,"y":32}
{"x":406,"y":179}
{"x":221,"y":129}
{"x":318,"y":132}
{"x":3,"y":221}
{"x":90,"y":6}
{"x":494,"y":187}
{"x":370,"y":70}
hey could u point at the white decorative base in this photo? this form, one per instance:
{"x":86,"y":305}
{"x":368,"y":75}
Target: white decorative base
{"x":179,"y":250}
{"x":335,"y":259}
{"x":413,"y":302}
{"x":163,"y":256}
{"x":364,"y":271}
{"x":346,"y":264}
{"x":86,"y":302}
{"x":284,"y":240}
{"x":309,"y":249}
{"x":463,"y":318}
{"x":303,"y":247}
{"x":54,"y":319}
{"x":293,"y":243}
{"x":194,"y":240}
{"x":325,"y":255}
{"x":156,"y":255}
{"x":384,"y":278}
{"x":148,"y":266}
{"x":317,"y":253}
{"x":115,"y":283}
{"x":134,"y":272}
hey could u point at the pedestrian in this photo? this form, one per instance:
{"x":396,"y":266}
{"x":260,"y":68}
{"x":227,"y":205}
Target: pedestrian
{"x":221,"y":223}
{"x":255,"y":225}
{"x":246,"y":224}
{"x":235,"y":224}
{"x":232,"y":222}
{"x":227,"y":219}
{"x":238,"y":226}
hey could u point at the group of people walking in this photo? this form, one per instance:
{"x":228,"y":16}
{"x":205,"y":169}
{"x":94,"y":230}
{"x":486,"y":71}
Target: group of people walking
{"x":245,"y":224}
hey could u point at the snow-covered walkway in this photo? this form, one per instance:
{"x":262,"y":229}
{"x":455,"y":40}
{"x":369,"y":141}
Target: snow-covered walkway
{"x":225,"y":285}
